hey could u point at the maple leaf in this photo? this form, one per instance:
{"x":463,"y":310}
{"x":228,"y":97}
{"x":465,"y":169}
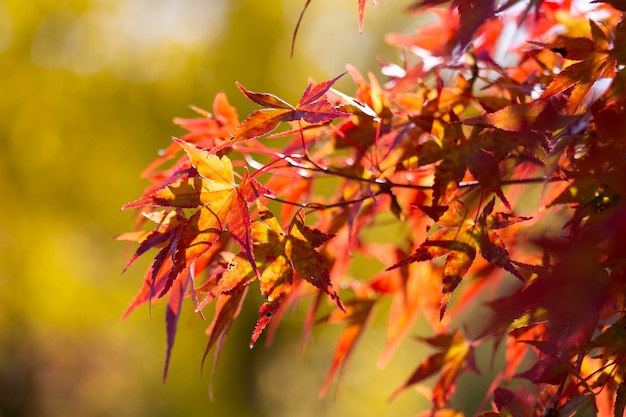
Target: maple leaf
{"x":202,"y":132}
{"x":425,"y":138}
{"x":460,"y":238}
{"x":280,"y":257}
{"x":285,"y":255}
{"x":593,"y":62}
{"x":515,"y":311}
{"x":436,"y":39}
{"x":482,"y":154}
{"x":167,"y":223}
{"x":557,"y":311}
{"x":514,"y":350}
{"x":159,"y":281}
{"x":553,"y":366}
{"x":451,"y":154}
{"x":312,"y":107}
{"x":453,"y":355}
{"x":473,"y":13}
{"x":172,"y":312}
{"x":222,"y":205}
{"x":539,"y":116}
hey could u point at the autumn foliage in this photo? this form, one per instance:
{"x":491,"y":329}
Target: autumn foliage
{"x":497,"y":145}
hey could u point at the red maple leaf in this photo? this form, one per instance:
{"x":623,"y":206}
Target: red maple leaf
{"x":280,"y":258}
{"x":221,"y":205}
{"x":460,"y":238}
{"x":313,"y":107}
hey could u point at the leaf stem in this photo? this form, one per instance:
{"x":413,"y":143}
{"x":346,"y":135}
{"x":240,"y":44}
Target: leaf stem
{"x":297,"y":161}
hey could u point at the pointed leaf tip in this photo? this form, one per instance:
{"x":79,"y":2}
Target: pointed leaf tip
{"x":264,"y":99}
{"x":172,"y":315}
{"x":266,"y":312}
{"x":316,"y":91}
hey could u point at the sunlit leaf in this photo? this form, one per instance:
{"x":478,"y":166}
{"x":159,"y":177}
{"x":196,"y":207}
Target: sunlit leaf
{"x":460,"y":239}
{"x":265,"y":99}
{"x":417,"y":201}
{"x":172,"y":313}
{"x":312,"y":108}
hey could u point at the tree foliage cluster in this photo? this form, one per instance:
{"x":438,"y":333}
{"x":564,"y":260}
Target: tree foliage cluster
{"x":492,"y":105}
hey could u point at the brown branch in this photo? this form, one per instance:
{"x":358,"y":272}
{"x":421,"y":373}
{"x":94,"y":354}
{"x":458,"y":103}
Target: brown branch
{"x":390,"y":184}
{"x":320,"y":206}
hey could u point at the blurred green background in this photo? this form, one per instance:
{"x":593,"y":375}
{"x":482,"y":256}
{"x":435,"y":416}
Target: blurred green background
{"x":88,"y":89}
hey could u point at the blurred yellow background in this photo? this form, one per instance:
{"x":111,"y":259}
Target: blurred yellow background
{"x":88,"y":89}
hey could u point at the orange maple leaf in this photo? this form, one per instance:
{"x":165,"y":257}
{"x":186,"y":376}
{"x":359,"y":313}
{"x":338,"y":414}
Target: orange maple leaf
{"x":460,"y":238}
{"x":280,"y":257}
{"x":222,"y":205}
{"x":313,"y":107}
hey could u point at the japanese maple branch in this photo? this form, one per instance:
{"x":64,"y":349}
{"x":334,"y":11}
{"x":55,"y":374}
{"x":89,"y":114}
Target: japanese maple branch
{"x":320,"y":206}
{"x":292,"y":160}
{"x":390,"y":184}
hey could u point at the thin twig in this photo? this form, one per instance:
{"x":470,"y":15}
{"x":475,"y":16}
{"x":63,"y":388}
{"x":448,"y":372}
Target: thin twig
{"x":319,"y":206}
{"x":295,"y":31}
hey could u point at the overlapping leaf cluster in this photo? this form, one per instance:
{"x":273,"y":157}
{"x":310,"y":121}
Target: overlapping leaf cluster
{"x":449,"y":145}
